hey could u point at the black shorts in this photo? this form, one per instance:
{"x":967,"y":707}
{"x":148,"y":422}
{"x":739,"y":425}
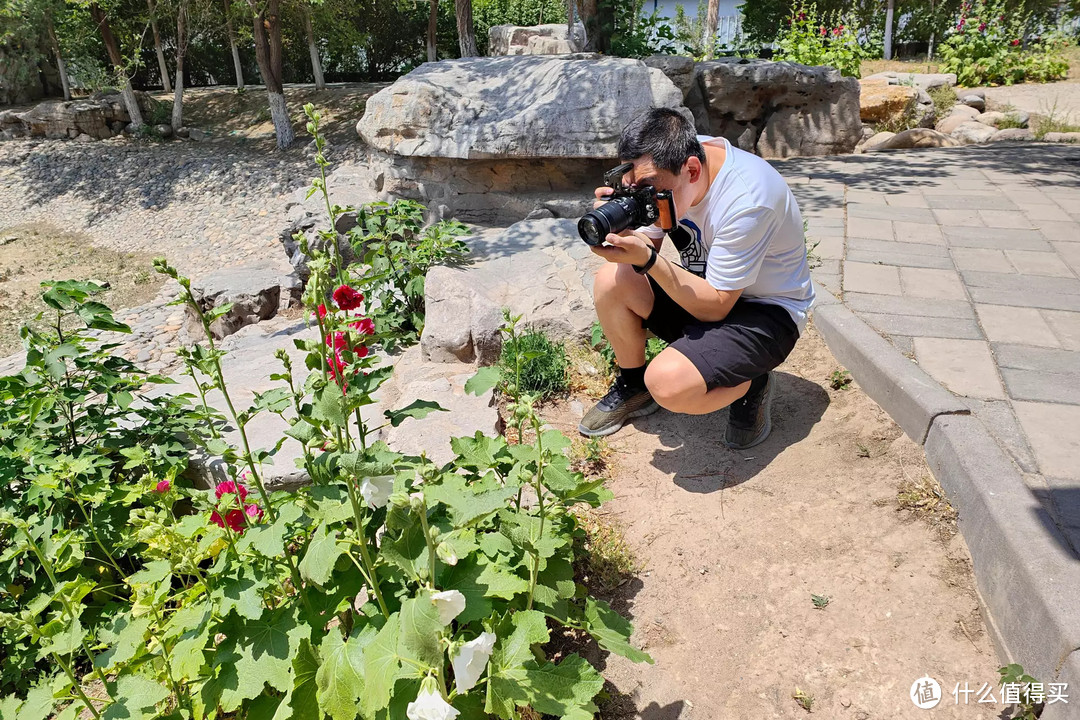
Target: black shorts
{"x":754,"y":338}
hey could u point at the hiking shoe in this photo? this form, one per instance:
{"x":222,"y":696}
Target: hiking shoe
{"x":749,"y":421}
{"x":620,"y":404}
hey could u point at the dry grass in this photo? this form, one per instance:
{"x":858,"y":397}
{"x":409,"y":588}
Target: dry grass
{"x":608,"y":560}
{"x":869,"y":67}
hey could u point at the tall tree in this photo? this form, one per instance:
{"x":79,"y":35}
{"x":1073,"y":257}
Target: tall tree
{"x":465,"y":28}
{"x":157,"y":47}
{"x":237,"y":67}
{"x":313,"y":49}
{"x":712,"y":18}
{"x":266,"y":27}
{"x":432,"y":28}
{"x":181,"y":52}
{"x":112,"y":47}
{"x":889,"y":29}
{"x":50,"y":27}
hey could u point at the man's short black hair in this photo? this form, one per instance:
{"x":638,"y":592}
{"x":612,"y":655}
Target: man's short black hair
{"x":665,"y":135}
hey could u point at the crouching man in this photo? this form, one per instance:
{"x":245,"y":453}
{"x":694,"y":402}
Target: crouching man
{"x":734,"y":307}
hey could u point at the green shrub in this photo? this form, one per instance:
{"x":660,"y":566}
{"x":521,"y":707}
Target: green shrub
{"x":944,"y":98}
{"x":543,"y":362}
{"x":811,"y":39}
{"x":987,"y":47}
{"x":653,"y":347}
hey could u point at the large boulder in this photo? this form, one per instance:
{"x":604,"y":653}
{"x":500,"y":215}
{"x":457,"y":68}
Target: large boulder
{"x":881,"y":102}
{"x":913,"y":138}
{"x":461,"y":323}
{"x":98,"y":116}
{"x":972,"y":132}
{"x":254,"y":291}
{"x":554,"y":39}
{"x":493,"y":139}
{"x":777,"y":109}
{"x":679,"y":69}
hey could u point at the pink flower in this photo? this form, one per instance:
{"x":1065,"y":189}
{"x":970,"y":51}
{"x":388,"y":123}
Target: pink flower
{"x":802,"y":16}
{"x":360,"y":351}
{"x":836,"y":31}
{"x":322,"y":311}
{"x":364,"y":326}
{"x":982,"y":27}
{"x":254,"y":512}
{"x":163,"y":486}
{"x":960,"y":26}
{"x":1014,"y":43}
{"x":234,"y":519}
{"x":823,"y":31}
{"x":231,"y":488}
{"x":347,"y":298}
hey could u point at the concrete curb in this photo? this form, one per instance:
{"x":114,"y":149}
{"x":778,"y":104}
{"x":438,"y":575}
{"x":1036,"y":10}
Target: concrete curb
{"x":899,"y":386}
{"x":1025,"y":574}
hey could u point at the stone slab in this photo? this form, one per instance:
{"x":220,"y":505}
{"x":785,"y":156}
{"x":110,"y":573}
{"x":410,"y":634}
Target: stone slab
{"x":998,"y":417}
{"x":963,"y":366}
{"x":918,"y":233}
{"x":1024,"y":568}
{"x":910,"y":396}
{"x":927,"y":282}
{"x":1051,"y":431}
{"x":869,"y":228}
{"x":991,"y":200}
{"x":885,"y":247}
{"x":1002,"y":323}
{"x":958,"y":218}
{"x":982,"y":237}
{"x":1006,"y":282}
{"x":981,"y":259}
{"x":889,"y":212}
{"x":1005,"y":219}
{"x":1044,"y":387}
{"x":1030,"y":262}
{"x":900,"y":259}
{"x":1066,"y":326}
{"x":871,"y":278}
{"x":1061,"y":231}
{"x":892,"y":305}
{"x":940,"y":327}
{"x":1038,"y":359}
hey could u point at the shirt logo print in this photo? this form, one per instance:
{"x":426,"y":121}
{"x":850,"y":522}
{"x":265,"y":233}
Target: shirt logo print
{"x":694,"y":254}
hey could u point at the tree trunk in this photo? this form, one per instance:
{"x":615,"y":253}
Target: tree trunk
{"x":597,"y":16}
{"x":465,"y":29}
{"x":162,"y":67}
{"x":60,"y":66}
{"x":432,"y":27}
{"x":711,"y":20}
{"x":232,"y":46}
{"x":181,"y":51}
{"x":316,"y":66}
{"x":117,"y":60}
{"x":266,"y":27}
{"x":888,"y":29}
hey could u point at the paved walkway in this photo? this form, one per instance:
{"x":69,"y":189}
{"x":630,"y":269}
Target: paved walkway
{"x":968,"y":261}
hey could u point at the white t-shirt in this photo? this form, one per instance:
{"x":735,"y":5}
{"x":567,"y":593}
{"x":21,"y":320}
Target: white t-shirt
{"x":747,"y":233}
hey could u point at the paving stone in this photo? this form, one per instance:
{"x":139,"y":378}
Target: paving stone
{"x":1012,"y":282}
{"x":1070,"y":252}
{"x":900,"y":259}
{"x":937,"y":327}
{"x":1024,"y":357}
{"x":1006,"y":324}
{"x":963,"y":366}
{"x":1000,"y":420}
{"x":1042,"y":386}
{"x":866,"y":196}
{"x":1030,"y":262}
{"x":931,"y":283}
{"x":981,"y":259}
{"x":829,"y":281}
{"x":886,"y":247}
{"x":1051,"y":432}
{"x":918,"y":232}
{"x":957,"y":218}
{"x":1060,"y":231}
{"x":870,"y":278}
{"x":904,"y":344}
{"x":1047,"y":213}
{"x":909,"y":199}
{"x":1001,"y":238}
{"x":831,"y":248}
{"x":869,"y":228}
{"x":990,"y":200}
{"x":1066,"y":325}
{"x":886,"y":212}
{"x":1004,"y":219}
{"x":1034,"y":297}
{"x":926,"y":307}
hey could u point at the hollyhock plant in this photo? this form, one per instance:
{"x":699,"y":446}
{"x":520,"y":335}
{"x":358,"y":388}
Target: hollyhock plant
{"x":449,"y":603}
{"x":430,"y":705}
{"x":231,"y":488}
{"x":364,"y":326}
{"x":347,"y":299}
{"x":471,"y":660}
{"x":163,"y":486}
{"x":376,"y":490}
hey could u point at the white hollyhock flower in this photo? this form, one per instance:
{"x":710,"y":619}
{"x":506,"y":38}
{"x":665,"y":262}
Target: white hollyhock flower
{"x":429,"y":705}
{"x":446,"y":553}
{"x":449,"y":603}
{"x":471,"y":659}
{"x":376,"y":490}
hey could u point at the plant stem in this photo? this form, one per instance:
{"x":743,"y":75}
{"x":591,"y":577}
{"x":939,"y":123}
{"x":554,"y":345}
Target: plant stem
{"x":539,"y":484}
{"x":430,"y":544}
{"x":77,"y":685}
{"x":362,"y":544}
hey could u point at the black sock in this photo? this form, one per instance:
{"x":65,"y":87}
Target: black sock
{"x":758,"y":383}
{"x":634,"y":377}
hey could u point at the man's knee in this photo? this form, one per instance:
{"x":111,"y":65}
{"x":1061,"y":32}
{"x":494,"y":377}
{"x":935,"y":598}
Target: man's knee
{"x":674,"y":381}
{"x":617,"y":280}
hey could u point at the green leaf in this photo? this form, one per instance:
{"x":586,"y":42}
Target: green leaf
{"x":303,"y":431}
{"x":269,"y":540}
{"x":136,"y":696}
{"x":323,"y":551}
{"x":330,"y":406}
{"x":187,"y":657}
{"x":382,"y":665}
{"x":516,"y":635}
{"x":99,"y":317}
{"x":420,"y":629}
{"x":302,"y":702}
{"x":125,"y":636}
{"x":478,"y":451}
{"x":470,"y":502}
{"x":340,"y":677}
{"x":38,"y":704}
{"x":484,"y":379}
{"x":266,"y":649}
{"x":611,"y":630}
{"x":409,"y":551}
{"x":62,"y":638}
{"x":331,"y":503}
{"x":416,"y":409}
{"x":557,"y":689}
{"x":241,"y":592}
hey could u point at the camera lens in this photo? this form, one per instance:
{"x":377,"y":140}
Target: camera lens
{"x":613,"y":216}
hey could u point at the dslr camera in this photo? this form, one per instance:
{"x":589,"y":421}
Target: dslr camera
{"x":627,"y":207}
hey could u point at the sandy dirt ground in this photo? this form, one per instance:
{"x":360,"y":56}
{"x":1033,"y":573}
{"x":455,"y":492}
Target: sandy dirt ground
{"x":732,"y":545}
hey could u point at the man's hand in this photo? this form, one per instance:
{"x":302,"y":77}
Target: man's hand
{"x":631,"y":247}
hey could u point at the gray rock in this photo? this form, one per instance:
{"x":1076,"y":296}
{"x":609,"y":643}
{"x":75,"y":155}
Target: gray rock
{"x":788,"y":109}
{"x":914,"y":138}
{"x":924,"y":81}
{"x":197,"y":134}
{"x":975,"y":101}
{"x":182,"y":132}
{"x":679,"y":69}
{"x":514,"y":107}
{"x":254,"y":291}
{"x":969,"y":113}
{"x":164,"y":131}
{"x":991,"y":118}
{"x":462,"y":323}
{"x":876,"y":140}
{"x":1065,"y":137}
{"x":83,"y":138}
{"x":551,"y":39}
{"x":952,"y":122}
{"x":972,"y":132}
{"x":1012,"y":134}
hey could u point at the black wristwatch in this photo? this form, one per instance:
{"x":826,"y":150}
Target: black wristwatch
{"x":642,"y":269}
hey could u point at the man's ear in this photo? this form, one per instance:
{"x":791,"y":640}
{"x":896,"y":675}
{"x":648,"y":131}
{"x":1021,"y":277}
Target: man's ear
{"x":694,"y":168}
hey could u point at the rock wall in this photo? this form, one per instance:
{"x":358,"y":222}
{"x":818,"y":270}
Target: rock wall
{"x":98,"y":117}
{"x":555,"y":39}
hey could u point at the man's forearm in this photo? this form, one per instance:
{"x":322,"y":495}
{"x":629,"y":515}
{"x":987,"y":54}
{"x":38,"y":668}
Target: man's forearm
{"x":693,"y":293}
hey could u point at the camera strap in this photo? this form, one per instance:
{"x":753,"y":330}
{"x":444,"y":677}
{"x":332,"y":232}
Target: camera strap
{"x":680,"y":236}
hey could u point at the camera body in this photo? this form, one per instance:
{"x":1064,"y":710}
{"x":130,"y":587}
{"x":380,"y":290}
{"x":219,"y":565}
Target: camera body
{"x":627,"y":207}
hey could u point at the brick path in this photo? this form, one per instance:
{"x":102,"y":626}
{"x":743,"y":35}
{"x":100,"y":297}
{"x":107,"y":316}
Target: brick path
{"x":968,"y":261}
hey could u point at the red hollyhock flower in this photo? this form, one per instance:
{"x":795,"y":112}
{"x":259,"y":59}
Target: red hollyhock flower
{"x":229,"y":487}
{"x":360,"y":351}
{"x":254,"y":512}
{"x":836,"y":31}
{"x":163,"y":486}
{"x":364,"y":326}
{"x":322,"y":311}
{"x":823,"y":31}
{"x":347,"y":298}
{"x":982,"y":27}
{"x":234,"y":519}
{"x":1014,"y":43}
{"x":337,"y":341}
